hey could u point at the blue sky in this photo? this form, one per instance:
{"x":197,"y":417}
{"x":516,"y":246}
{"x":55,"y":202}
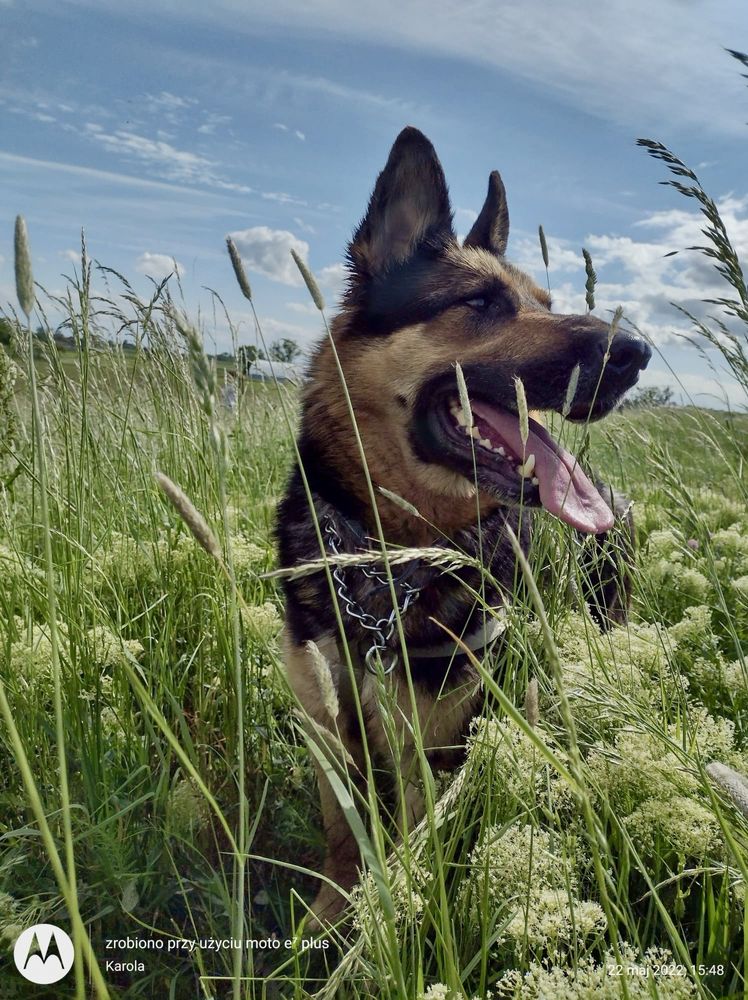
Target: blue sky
{"x":161,"y":127}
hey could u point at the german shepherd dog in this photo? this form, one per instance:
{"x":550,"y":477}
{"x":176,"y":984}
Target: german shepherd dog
{"x":417,"y":302}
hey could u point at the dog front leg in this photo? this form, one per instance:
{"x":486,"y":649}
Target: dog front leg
{"x":335,"y":735}
{"x":607,"y":564}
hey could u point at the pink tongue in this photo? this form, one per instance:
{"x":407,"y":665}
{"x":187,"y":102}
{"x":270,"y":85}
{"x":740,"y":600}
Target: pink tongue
{"x":564,"y":488}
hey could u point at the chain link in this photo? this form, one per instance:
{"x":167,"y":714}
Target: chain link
{"x":382,"y":628}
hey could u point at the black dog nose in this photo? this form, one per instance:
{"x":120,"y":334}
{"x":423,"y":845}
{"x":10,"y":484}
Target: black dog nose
{"x":628,"y":354}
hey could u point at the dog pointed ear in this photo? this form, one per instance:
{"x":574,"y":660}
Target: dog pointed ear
{"x":491,"y":229}
{"x":410,"y":203}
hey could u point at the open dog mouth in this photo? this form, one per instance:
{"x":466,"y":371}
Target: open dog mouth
{"x":537,"y":471}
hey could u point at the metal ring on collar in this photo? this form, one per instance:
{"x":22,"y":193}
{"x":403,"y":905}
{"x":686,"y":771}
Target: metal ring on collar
{"x":374,"y":652}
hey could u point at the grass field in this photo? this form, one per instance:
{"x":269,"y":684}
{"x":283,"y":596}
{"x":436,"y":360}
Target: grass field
{"x":157,"y":796}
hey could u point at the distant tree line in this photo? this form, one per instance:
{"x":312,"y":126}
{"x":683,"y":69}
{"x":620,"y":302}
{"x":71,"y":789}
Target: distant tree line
{"x":649,"y":396}
{"x":285,"y":349}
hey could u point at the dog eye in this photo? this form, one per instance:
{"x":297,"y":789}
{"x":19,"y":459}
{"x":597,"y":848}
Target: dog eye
{"x":480,"y":303}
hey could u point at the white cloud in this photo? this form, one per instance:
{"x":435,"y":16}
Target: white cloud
{"x":269,"y":252}
{"x":74,"y":256}
{"x":346,"y":93}
{"x":166,"y":101}
{"x":213,"y":121}
{"x":158,"y":266}
{"x":630,"y":62}
{"x":33,"y":114}
{"x":176,"y":164}
{"x":333,"y":275}
{"x":91,"y":174}
{"x":305,"y":308}
{"x":180,"y":163}
{"x":303,"y":226}
{"x":283,"y":198}
{"x":561,"y":257}
{"x":333,"y":279}
{"x":284,"y":128}
{"x":638,"y":273}
{"x":275,"y":328}
{"x":589,"y":55}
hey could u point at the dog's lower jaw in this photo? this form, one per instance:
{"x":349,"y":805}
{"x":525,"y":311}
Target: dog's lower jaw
{"x":443,"y":482}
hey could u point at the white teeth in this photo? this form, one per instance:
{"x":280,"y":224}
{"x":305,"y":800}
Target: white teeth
{"x":468,"y":427}
{"x":526,"y":470}
{"x":535,"y":481}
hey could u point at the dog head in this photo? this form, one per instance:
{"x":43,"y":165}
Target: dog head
{"x":418,"y":301}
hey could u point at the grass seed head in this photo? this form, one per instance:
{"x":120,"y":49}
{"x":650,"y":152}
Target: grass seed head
{"x":191,"y":516}
{"x":589,"y":288}
{"x":543,"y":245}
{"x":322,"y":672}
{"x":615,"y":322}
{"x":241,"y":274}
{"x":203,"y":372}
{"x":400,"y":502}
{"x":463,"y":393}
{"x":732,"y":782}
{"x":532,"y":710}
{"x":571,"y":390}
{"x":310,"y":281}
{"x":522,"y":411}
{"x":24,"y":272}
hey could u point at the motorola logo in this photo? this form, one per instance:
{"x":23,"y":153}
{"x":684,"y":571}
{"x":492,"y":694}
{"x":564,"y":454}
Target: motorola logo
{"x":43,"y":954}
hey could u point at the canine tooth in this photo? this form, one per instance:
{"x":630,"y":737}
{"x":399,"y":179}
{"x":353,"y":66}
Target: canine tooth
{"x":535,"y":481}
{"x":474,"y":432}
{"x":501,"y":451}
{"x":528,"y":467}
{"x":485,"y":442}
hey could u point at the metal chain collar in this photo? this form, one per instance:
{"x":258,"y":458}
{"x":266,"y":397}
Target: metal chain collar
{"x":382,"y":628}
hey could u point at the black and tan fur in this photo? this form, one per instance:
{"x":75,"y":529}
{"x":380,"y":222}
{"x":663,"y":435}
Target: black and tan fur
{"x":417,"y":302}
